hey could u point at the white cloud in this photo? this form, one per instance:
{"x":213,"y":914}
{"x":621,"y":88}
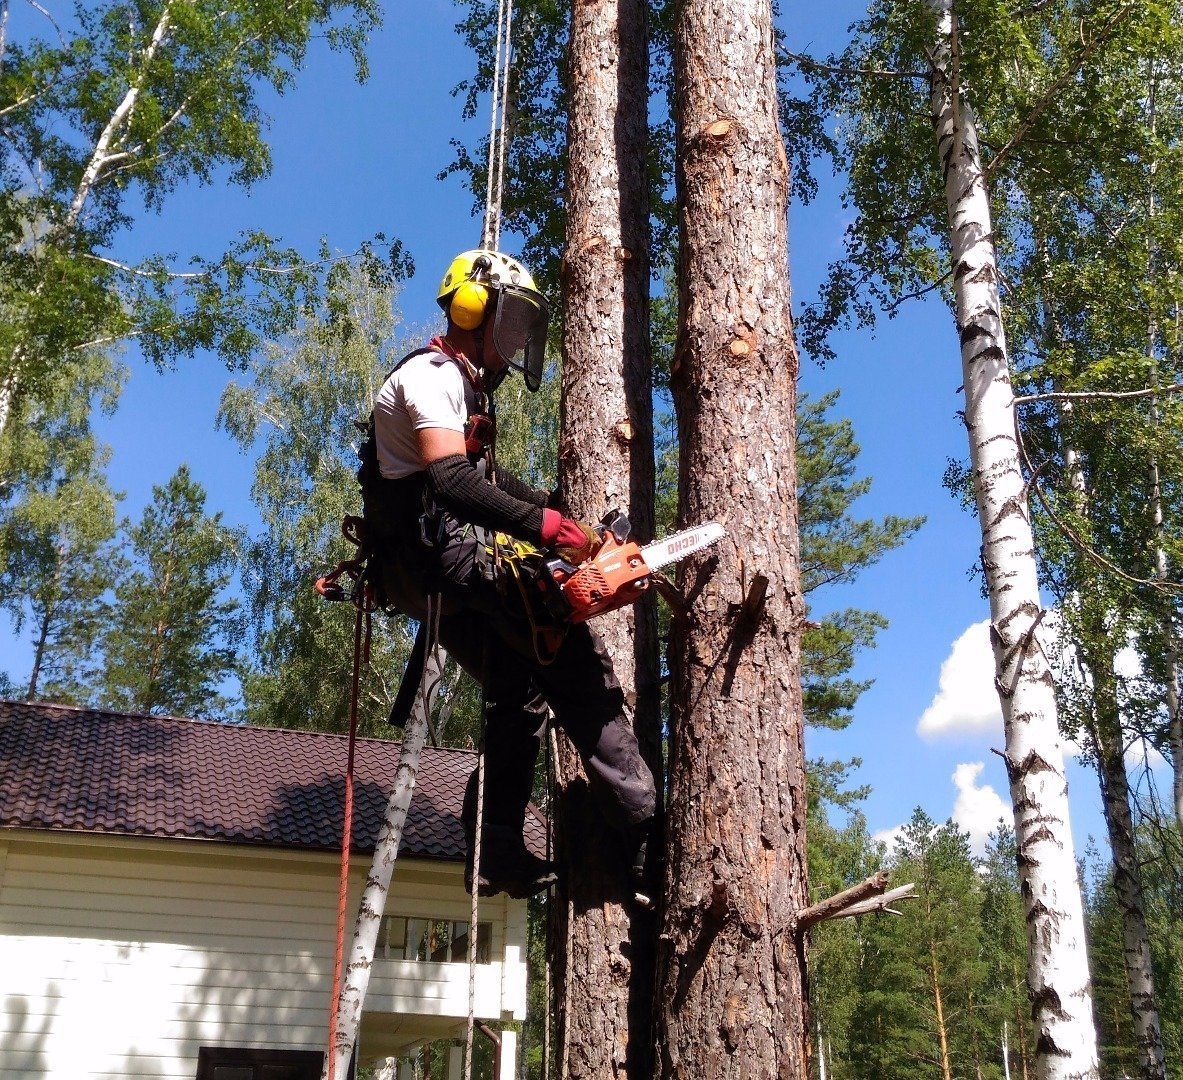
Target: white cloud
{"x":1141,"y":755}
{"x":966,"y":701}
{"x":978,"y":810}
{"x":888,"y":837}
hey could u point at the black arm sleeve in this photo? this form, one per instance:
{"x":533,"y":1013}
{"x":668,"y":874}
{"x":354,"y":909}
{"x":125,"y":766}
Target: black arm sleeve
{"x":456,"y":486}
{"x":511,"y":485}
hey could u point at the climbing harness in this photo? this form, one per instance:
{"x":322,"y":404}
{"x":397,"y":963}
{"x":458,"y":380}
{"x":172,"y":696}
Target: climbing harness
{"x":521,"y":562}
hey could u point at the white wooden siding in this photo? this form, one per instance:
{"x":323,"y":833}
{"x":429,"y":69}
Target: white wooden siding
{"x":120,"y":957}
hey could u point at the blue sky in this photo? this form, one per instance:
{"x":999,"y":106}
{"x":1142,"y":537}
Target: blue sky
{"x":350,"y":161}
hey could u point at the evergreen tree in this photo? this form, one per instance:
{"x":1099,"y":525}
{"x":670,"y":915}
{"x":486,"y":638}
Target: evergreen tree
{"x":917,"y":1016}
{"x":1002,"y":1005}
{"x":169,"y":637}
{"x":839,"y":857}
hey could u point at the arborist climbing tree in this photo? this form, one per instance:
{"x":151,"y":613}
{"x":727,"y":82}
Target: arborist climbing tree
{"x":441,"y":518}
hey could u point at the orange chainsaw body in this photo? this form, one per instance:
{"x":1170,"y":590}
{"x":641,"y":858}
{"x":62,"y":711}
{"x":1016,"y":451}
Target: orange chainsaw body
{"x":616,"y":575}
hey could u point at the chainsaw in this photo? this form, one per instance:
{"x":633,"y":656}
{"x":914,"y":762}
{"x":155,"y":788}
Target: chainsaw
{"x":619,"y":572}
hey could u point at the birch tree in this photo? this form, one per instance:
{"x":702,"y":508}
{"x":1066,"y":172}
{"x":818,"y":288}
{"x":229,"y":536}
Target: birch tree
{"x":731,"y":968}
{"x":57,"y":536}
{"x":1058,"y":976}
{"x":299,"y":411}
{"x":142,"y":99}
{"x":1103,"y":445}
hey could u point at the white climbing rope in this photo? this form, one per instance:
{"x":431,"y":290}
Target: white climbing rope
{"x":495,"y":180}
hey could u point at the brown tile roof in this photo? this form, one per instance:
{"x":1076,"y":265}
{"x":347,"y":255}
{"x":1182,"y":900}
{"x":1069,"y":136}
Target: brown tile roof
{"x":92,"y":771}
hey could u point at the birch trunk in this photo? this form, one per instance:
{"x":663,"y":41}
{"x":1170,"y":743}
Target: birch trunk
{"x":1109,"y":743}
{"x":8,"y":388}
{"x":731,"y":966}
{"x":606,"y":462}
{"x":1174,"y":717}
{"x":1161,"y":566}
{"x":104,"y":155}
{"x":106,"y":151}
{"x":1058,"y":975}
{"x":360,"y":960}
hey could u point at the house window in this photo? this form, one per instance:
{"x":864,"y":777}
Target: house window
{"x":437,"y":940}
{"x":240,"y":1063}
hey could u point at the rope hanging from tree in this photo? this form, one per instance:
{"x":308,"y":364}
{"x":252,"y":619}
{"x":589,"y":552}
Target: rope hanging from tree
{"x":490,"y":240}
{"x":495,"y":173}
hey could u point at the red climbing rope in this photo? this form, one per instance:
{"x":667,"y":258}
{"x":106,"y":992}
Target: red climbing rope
{"x":361,"y":649}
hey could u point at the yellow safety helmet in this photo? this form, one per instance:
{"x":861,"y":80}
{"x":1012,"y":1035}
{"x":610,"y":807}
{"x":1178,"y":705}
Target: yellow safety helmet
{"x":481,"y":282}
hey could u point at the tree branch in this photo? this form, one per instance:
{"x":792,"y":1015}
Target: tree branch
{"x":1056,"y":86}
{"x":834,"y":69}
{"x":1087,"y":395}
{"x":859,"y":899}
{"x":1078,"y":541}
{"x":924,"y":290}
{"x":204,"y":275}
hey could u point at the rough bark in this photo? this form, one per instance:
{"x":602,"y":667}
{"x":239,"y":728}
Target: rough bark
{"x":1058,"y":977}
{"x":606,"y":462}
{"x":731,"y":967}
{"x":1109,"y":744}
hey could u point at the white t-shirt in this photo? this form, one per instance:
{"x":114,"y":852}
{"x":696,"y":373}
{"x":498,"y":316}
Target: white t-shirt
{"x":427,"y":391}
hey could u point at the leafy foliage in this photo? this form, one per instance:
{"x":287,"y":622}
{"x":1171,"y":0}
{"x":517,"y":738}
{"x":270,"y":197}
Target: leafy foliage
{"x":1160,"y":854}
{"x":299,"y":413}
{"x":58,"y":532}
{"x":133,"y":101}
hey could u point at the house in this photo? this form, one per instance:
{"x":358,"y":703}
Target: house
{"x":168,"y":899}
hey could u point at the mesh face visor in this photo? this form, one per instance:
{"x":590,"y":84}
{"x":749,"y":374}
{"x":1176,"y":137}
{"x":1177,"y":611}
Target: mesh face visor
{"x":519,"y":331}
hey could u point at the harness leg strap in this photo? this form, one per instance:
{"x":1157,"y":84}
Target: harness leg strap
{"x":408,"y":688}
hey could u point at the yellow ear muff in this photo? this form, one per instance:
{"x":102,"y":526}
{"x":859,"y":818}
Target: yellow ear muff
{"x":467,"y":306}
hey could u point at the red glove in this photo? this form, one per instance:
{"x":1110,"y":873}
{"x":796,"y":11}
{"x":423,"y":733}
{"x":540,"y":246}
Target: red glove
{"x":574,"y":541}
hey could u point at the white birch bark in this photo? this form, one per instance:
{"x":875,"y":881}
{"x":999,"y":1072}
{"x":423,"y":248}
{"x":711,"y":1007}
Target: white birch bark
{"x":360,"y":961}
{"x":104,"y":155}
{"x":1057,"y":964}
{"x":7,"y":393}
{"x":1174,"y":718}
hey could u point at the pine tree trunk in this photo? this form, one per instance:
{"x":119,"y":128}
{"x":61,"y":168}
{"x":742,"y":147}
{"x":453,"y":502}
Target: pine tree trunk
{"x":939,"y":1004}
{"x":1058,"y":976}
{"x":606,"y":462}
{"x":731,"y":967}
{"x":39,"y":652}
{"x":1109,"y":743}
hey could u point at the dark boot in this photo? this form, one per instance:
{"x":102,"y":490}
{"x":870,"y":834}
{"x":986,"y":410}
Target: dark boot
{"x":506,"y":864}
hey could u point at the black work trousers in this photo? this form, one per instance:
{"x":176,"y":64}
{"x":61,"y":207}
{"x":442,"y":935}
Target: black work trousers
{"x":488,"y":633}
